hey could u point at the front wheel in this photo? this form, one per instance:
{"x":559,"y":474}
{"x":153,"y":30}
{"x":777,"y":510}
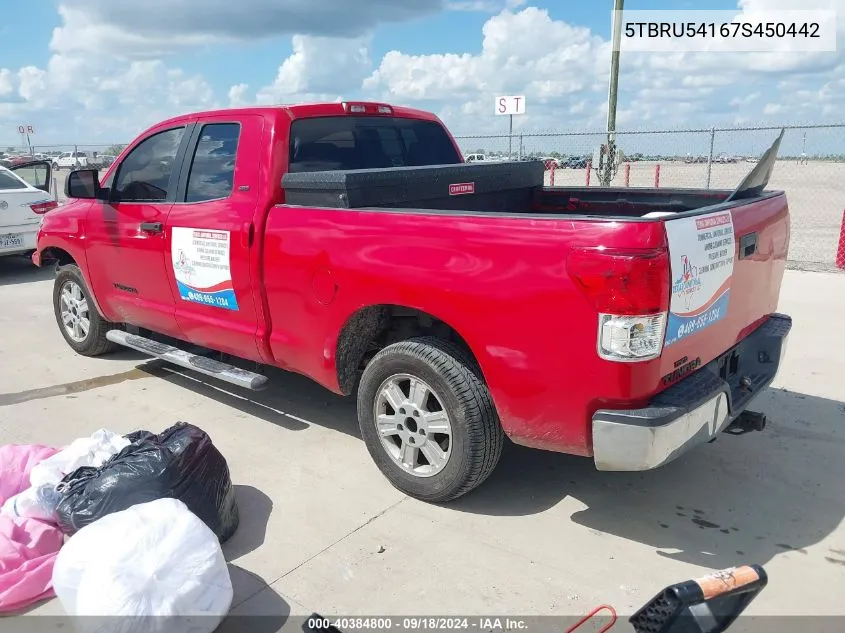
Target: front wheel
{"x":428,"y":420}
{"x":82,"y":326}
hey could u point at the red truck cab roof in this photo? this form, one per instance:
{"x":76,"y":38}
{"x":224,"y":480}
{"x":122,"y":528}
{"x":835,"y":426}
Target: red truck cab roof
{"x":309,"y":110}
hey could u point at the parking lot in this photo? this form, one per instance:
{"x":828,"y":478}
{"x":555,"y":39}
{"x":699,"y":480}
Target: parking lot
{"x":815,"y":193}
{"x":322,"y":530}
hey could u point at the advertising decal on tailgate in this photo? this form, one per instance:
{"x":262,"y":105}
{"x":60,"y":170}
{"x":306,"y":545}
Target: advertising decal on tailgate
{"x":202,"y":268}
{"x":702,"y":254}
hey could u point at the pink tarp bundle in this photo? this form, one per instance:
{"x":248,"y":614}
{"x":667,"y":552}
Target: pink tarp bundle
{"x":28,"y":548}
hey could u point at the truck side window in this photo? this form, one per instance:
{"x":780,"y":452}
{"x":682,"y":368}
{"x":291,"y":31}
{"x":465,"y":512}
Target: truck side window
{"x":144,"y":174}
{"x":212,"y":175}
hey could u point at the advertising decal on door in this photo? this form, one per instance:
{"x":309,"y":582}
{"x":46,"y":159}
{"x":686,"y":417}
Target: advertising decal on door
{"x":201,"y":266}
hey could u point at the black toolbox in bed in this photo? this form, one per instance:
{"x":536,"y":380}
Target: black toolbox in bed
{"x":505,"y":186}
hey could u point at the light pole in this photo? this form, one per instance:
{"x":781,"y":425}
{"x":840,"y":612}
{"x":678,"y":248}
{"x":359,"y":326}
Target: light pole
{"x":609,"y":163}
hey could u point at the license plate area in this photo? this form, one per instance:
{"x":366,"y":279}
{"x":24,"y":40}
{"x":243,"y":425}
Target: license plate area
{"x":11,"y":240}
{"x":729,"y":365}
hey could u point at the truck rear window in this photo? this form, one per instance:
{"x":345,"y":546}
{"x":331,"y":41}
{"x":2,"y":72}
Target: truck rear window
{"x":362,"y":142}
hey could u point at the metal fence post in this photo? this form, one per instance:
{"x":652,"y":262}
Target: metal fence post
{"x":710,"y":158}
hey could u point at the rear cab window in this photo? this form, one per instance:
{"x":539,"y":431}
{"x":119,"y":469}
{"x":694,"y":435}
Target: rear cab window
{"x":212,"y":172}
{"x":367,"y":142}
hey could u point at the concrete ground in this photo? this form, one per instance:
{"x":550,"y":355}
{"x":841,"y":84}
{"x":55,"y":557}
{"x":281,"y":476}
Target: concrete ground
{"x":322,"y":530}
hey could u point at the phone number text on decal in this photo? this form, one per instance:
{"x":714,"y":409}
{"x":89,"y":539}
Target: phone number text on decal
{"x":699,"y":322}
{"x":725,"y":29}
{"x":207,"y":299}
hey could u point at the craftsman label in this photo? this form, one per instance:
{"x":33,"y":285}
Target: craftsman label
{"x":461,"y":188}
{"x":702,"y":251}
{"x":202,"y":267}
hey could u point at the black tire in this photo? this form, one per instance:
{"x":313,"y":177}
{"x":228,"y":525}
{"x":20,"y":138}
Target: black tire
{"x":477,"y":437}
{"x":95,"y":342}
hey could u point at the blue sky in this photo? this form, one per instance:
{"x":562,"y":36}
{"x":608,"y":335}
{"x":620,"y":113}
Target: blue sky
{"x":252,"y":63}
{"x":90,"y":71}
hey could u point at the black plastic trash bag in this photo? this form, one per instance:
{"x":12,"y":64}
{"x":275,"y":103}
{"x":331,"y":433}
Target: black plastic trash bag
{"x":181,"y":463}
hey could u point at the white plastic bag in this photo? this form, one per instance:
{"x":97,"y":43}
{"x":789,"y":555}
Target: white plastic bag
{"x":40,"y":500}
{"x":94,"y":451}
{"x":36,"y":502}
{"x":155,"y":567}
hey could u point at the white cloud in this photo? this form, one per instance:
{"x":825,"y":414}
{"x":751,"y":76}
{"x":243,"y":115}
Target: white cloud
{"x":487,"y":6}
{"x":7,"y":82}
{"x":319,"y":69}
{"x":109,"y":74}
{"x":744,"y":100}
{"x":158,"y":27}
{"x":523,"y":52}
{"x":238,"y":95}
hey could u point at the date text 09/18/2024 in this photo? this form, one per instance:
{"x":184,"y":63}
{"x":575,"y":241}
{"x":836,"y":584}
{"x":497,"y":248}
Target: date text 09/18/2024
{"x":415,"y":623}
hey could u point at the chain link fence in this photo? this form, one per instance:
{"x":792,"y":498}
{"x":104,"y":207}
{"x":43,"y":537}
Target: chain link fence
{"x":811,"y":168}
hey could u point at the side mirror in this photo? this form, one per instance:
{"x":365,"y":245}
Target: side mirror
{"x":706,"y":605}
{"x":84,"y":184}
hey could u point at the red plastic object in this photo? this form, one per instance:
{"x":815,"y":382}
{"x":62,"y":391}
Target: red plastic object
{"x":589,"y":169}
{"x":840,"y":251}
{"x":657,"y":176}
{"x":552,"y":176}
{"x":592,"y":614}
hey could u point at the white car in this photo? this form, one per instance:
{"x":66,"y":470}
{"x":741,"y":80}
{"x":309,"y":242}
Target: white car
{"x":71,"y":160}
{"x":25,"y":196}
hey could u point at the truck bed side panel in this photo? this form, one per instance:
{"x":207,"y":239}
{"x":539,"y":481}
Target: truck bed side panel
{"x":500,"y":282}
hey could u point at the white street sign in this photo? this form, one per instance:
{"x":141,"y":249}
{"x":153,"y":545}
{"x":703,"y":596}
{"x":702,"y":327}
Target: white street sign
{"x":510,"y":105}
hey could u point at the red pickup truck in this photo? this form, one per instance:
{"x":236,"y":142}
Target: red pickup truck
{"x":460,"y":302}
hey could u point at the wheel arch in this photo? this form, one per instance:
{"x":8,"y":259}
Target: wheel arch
{"x":60,"y":256}
{"x":372,"y":328}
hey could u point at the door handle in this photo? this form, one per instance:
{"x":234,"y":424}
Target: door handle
{"x":152,"y":227}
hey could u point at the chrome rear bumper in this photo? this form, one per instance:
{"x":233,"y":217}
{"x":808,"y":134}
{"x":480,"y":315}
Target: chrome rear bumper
{"x":693,"y":411}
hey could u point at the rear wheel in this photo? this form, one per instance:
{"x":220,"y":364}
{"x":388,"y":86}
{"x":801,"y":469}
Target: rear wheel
{"x":82,"y":326}
{"x":428,"y":420}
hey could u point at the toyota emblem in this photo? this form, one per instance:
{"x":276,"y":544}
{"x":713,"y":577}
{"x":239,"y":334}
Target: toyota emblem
{"x":3,"y":205}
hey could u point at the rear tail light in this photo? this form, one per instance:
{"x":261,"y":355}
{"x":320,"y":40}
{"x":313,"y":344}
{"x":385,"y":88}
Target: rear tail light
{"x":629,"y":290}
{"x":43,"y":207}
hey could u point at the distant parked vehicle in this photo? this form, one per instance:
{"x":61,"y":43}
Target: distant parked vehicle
{"x":576,"y":162}
{"x":71,"y":160}
{"x":474,"y":158}
{"x":25,"y":197}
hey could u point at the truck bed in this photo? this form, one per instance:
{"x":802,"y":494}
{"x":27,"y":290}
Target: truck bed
{"x":512,"y":188}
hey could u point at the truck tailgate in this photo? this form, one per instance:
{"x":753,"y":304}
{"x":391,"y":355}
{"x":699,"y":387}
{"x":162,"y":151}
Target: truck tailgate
{"x":726,"y":271}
